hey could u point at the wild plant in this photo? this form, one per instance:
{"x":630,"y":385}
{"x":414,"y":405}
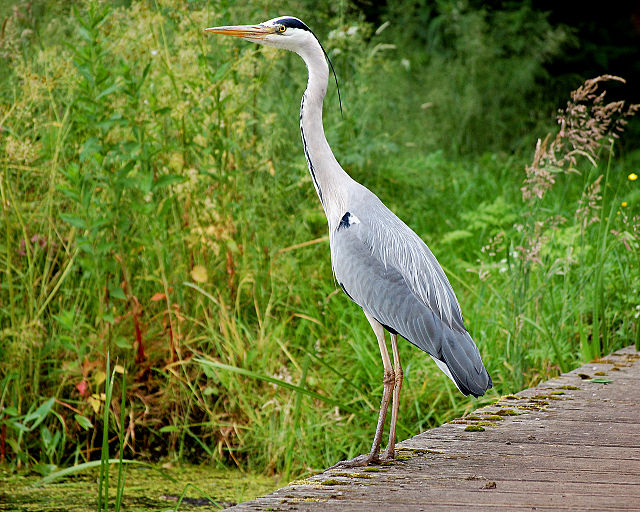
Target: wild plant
{"x":557,"y":255}
{"x":156,"y":207}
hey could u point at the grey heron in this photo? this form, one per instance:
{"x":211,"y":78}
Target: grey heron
{"x":380,"y":263}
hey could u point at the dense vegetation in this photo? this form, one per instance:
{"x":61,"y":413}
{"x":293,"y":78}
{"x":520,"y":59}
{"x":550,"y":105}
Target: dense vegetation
{"x":159,"y":221}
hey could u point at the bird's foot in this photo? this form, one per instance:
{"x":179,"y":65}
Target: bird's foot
{"x":389,"y":455}
{"x":356,"y":462}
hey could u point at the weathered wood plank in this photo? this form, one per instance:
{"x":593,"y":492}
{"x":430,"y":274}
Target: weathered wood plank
{"x":570,"y":445}
{"x":507,"y":447}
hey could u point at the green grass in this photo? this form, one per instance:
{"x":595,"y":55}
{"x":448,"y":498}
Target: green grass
{"x":158,"y":215}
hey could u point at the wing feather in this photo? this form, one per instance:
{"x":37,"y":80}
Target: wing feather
{"x":382,"y":291}
{"x":394,"y":244}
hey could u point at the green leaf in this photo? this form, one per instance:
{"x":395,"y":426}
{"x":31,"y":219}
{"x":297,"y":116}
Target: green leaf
{"x":168,"y":179}
{"x":84,"y":34}
{"x":117,"y":293}
{"x":599,"y":380}
{"x":69,"y":192}
{"x":107,"y":91}
{"x":170,"y":428}
{"x":74,"y":220}
{"x":45,"y":434}
{"x":40,"y":413}
{"x":93,"y":464}
{"x":10,"y":411}
{"x":90,"y":147}
{"x":83,"y":421}
{"x":66,"y":319}
{"x":20,"y":427}
{"x":122,"y":342}
{"x":131,"y":148}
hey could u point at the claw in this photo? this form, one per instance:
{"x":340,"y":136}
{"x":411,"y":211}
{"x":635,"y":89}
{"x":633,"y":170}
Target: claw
{"x":356,"y":462}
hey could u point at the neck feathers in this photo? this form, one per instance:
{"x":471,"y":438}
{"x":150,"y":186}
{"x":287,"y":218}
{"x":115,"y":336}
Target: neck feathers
{"x":330,"y":180}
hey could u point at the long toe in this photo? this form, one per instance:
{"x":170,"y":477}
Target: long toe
{"x":356,"y":462}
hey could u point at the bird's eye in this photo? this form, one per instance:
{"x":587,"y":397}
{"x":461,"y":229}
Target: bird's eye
{"x":281,"y":29}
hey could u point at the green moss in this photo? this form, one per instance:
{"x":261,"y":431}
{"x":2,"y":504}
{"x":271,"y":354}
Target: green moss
{"x":492,"y":417}
{"x":506,"y":412}
{"x":372,"y":470}
{"x":146,"y":489}
{"x":304,"y":482}
{"x":474,"y":428}
{"x":568,"y":386}
{"x":352,"y":475}
{"x":333,"y":481}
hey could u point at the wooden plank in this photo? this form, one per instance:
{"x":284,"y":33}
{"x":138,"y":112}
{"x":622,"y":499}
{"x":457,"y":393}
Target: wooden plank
{"x":502,"y":447}
{"x":575,"y":451}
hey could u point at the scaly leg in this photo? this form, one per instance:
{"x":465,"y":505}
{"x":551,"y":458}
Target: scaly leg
{"x":389,"y":382}
{"x":389,"y":453}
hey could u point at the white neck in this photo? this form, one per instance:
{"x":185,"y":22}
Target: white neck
{"x":329,"y":179}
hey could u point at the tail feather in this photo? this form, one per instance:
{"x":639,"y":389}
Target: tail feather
{"x":462,"y":358}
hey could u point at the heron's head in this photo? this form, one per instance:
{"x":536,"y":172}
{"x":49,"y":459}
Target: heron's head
{"x":288,"y":33}
{"x":284,"y":32}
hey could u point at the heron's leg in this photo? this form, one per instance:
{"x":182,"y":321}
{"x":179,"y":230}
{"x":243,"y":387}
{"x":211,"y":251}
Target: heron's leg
{"x":390,"y":451}
{"x":389,"y":382}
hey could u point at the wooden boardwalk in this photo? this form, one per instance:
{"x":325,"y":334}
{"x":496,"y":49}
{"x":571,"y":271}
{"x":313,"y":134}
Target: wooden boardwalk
{"x":572,"y":443}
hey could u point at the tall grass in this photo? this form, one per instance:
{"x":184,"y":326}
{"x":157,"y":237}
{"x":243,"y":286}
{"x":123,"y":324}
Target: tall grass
{"x":157,"y":208}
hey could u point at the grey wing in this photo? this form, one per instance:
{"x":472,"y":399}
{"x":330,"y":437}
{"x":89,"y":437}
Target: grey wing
{"x":397,"y":280}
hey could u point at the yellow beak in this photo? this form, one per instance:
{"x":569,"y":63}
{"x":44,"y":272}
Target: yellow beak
{"x":244,"y":31}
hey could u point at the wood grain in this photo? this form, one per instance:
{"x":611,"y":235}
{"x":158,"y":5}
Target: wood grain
{"x":555,"y":448}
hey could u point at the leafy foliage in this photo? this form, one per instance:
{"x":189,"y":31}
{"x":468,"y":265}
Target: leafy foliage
{"x":157,"y":208}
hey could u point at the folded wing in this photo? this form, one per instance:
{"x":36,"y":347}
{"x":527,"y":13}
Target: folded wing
{"x":390,"y":272}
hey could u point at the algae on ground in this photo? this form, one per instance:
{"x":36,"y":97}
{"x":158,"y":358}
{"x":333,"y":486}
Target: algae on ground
{"x":146,"y":489}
